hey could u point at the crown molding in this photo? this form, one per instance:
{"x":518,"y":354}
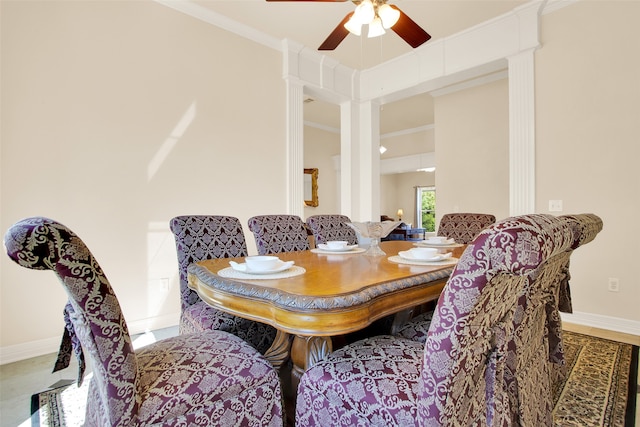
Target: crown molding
{"x":408,"y":131}
{"x":500,"y":75}
{"x":554,"y":5}
{"x":388,"y":135}
{"x":406,"y":164}
{"x":320,"y":126}
{"x":401,"y":164}
{"x":203,"y":14}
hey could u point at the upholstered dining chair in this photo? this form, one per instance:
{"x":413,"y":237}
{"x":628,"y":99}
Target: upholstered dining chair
{"x":487,"y":357}
{"x":590,"y":225}
{"x":587,"y":227}
{"x":279,"y":233}
{"x":209,"y":378}
{"x":331,"y":227}
{"x":201,"y":237}
{"x":464,"y":227}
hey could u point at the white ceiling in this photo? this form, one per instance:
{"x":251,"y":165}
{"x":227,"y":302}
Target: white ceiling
{"x":310,"y":22}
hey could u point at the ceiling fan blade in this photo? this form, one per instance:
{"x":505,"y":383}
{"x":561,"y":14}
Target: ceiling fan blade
{"x":337,"y":35}
{"x":410,"y":32}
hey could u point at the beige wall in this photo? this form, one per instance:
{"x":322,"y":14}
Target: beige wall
{"x":421,"y":141}
{"x":117,"y":116}
{"x":587,"y":142}
{"x":319,"y":148}
{"x":587,"y":126}
{"x":472,"y":150}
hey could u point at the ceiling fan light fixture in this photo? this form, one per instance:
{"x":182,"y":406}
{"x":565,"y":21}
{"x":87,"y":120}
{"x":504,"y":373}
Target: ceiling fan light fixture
{"x":354,"y":26}
{"x":365,"y":12}
{"x":388,"y":15}
{"x":375,"y":28}
{"x":378,"y":16}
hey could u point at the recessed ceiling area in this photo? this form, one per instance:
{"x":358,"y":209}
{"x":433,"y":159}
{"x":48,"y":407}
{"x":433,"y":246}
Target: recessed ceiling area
{"x":310,"y":22}
{"x":396,"y":116}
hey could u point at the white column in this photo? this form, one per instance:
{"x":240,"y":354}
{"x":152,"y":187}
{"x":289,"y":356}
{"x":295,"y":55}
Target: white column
{"x":369,"y":158}
{"x":522,"y":184}
{"x":295,"y":148}
{"x":347,"y":136}
{"x":360,"y":160}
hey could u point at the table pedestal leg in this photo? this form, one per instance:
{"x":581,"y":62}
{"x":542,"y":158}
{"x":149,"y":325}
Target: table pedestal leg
{"x":279,"y":351}
{"x":306,"y":352}
{"x":400,"y":319}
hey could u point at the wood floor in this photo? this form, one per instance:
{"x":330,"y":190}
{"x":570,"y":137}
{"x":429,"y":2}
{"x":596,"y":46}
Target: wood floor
{"x":602,"y":333}
{"x":19,"y":380}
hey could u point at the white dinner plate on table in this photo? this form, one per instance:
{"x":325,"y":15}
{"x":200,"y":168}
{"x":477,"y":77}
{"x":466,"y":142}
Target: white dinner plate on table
{"x":409,"y":257}
{"x":439,"y":242}
{"x":427,"y":244}
{"x":326,"y":248}
{"x":243,"y":268}
{"x":445,"y":262}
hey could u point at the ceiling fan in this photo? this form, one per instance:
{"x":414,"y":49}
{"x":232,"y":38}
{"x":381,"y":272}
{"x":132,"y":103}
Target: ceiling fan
{"x":378,"y":16}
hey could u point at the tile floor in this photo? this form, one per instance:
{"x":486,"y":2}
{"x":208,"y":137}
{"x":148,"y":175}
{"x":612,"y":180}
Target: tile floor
{"x":19,"y":380}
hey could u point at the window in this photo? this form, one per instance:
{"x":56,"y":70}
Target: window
{"x":426,"y":208}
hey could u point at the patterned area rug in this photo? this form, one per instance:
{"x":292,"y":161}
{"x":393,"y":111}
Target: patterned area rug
{"x":601,"y":387}
{"x":63,"y":405}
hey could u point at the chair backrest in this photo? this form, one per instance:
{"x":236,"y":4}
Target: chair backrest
{"x":43,"y":244}
{"x":331,"y":227}
{"x":487,"y":355}
{"x":279,"y":233}
{"x":464,"y":227}
{"x":587,"y":226}
{"x":201,"y":237}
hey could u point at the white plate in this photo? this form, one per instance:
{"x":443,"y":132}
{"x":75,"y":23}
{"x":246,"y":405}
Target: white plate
{"x":443,"y":263}
{"x":328,"y":249}
{"x":243,"y":268}
{"x":425,"y":244}
{"x":336,"y":255}
{"x":407,"y":255}
{"x":437,"y":243}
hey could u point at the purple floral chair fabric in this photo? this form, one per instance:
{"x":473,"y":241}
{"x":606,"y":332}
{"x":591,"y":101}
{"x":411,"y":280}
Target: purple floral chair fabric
{"x":486,"y":360}
{"x":210,"y":378}
{"x":464,"y":227}
{"x":331,"y":227}
{"x":200,"y":237}
{"x":587,"y":227}
{"x":279,"y":233}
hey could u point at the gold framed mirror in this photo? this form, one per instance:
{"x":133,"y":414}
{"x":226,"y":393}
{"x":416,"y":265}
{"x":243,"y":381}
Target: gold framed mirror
{"x":311,"y":187}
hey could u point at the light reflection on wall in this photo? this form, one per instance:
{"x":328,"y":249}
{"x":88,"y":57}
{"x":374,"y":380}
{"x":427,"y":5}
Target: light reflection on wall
{"x":163,"y":152}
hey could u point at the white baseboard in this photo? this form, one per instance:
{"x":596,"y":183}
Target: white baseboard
{"x":15,"y":353}
{"x":153,"y":323}
{"x":616,"y":324}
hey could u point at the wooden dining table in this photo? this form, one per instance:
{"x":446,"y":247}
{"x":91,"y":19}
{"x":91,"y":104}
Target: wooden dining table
{"x":337,"y":293}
